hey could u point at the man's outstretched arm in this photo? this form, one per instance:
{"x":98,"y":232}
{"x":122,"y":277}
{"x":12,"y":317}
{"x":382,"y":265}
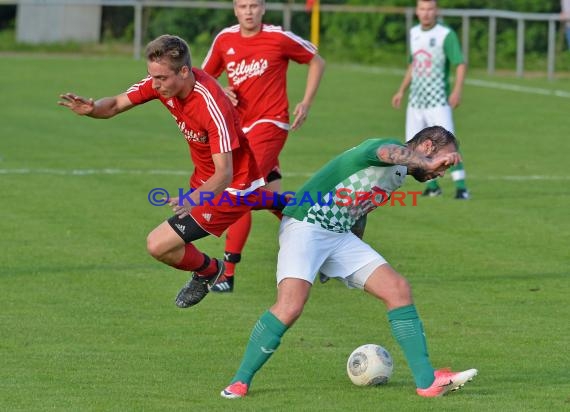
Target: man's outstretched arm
{"x":103,"y":108}
{"x":402,"y":155}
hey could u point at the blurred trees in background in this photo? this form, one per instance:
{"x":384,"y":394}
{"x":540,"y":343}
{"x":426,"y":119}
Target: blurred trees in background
{"x":357,"y":37}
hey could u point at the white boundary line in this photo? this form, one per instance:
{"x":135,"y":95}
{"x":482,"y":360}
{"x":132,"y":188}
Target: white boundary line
{"x":91,"y":172}
{"x":88,"y":172}
{"x":472,"y":82}
{"x":517,"y":88}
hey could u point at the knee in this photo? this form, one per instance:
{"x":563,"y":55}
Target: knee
{"x":294,"y":312}
{"x":401,"y":293}
{"x":402,"y":286}
{"x":154,"y":247}
{"x":287,"y":313}
{"x":390,"y":287}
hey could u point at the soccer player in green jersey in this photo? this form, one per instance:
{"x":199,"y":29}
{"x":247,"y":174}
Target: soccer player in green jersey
{"x":315,"y":235}
{"x":434,"y":47}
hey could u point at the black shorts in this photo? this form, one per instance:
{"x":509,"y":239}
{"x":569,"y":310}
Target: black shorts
{"x":187,"y":228}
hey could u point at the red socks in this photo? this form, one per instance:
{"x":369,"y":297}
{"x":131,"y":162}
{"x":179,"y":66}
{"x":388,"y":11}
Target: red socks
{"x":196,"y":261}
{"x":235,"y":239}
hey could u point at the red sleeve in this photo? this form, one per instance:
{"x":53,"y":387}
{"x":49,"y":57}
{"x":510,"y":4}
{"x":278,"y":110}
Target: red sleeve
{"x":142,"y":91}
{"x":221,"y":119}
{"x":213,"y":63}
{"x":297,"y":48}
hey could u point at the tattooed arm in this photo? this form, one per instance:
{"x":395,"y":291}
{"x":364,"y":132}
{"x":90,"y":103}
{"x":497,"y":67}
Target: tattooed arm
{"x":419,"y":164}
{"x":401,"y":155}
{"x":413,"y":159}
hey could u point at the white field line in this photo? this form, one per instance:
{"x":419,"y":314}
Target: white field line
{"x":472,"y":82}
{"x":90,"y":172}
{"x":517,"y":88}
{"x":377,"y":70}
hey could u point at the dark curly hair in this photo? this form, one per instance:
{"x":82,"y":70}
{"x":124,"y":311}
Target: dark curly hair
{"x":439,"y":136}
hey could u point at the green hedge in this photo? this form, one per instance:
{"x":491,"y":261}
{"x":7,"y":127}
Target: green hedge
{"x":372,"y":38}
{"x":356,"y":37}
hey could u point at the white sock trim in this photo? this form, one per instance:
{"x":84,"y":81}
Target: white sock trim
{"x":458,"y":175}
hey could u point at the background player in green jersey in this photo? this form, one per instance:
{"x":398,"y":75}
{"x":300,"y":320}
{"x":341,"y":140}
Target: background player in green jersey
{"x":433,"y":47}
{"x":316,"y":236}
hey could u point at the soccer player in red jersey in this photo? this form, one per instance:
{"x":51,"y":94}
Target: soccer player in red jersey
{"x":255,"y":57}
{"x":225,"y":171}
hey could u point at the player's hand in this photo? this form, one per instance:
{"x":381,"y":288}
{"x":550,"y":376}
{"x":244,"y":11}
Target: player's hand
{"x":440,"y":163}
{"x":229,"y":90}
{"x":301,"y":112}
{"x":173,"y":201}
{"x":397,"y":100}
{"x":454,"y":99}
{"x":77,"y":104}
{"x":180,"y":210}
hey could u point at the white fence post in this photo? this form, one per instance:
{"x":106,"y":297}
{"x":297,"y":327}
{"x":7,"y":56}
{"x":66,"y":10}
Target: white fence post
{"x":465,"y":37}
{"x":287,"y":13}
{"x":409,"y":23}
{"x":137,"y":46}
{"x":492,"y":41}
{"x":551,"y":48}
{"x":520,"y":47}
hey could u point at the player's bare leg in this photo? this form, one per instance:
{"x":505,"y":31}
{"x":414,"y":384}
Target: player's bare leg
{"x":166,"y":245}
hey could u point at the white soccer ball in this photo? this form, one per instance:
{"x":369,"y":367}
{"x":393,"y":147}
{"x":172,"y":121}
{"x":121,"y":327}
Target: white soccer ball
{"x":369,"y":365}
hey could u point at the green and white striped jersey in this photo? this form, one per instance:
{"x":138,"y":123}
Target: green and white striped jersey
{"x":432,"y":52}
{"x":348,"y":187}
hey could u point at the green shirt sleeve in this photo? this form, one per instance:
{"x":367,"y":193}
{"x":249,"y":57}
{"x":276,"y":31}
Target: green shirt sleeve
{"x":370,"y":150}
{"x":452,"y":48}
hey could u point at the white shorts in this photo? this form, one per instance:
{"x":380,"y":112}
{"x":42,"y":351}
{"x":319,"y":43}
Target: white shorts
{"x":418,"y":119}
{"x":306,"y":248}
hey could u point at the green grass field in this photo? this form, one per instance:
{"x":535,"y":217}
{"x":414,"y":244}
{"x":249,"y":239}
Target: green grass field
{"x":88,"y":320}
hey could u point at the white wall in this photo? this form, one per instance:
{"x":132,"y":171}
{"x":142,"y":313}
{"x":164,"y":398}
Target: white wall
{"x":43,"y":23}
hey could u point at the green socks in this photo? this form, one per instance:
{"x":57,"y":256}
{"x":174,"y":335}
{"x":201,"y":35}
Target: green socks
{"x":432,"y":184}
{"x":409,"y":333}
{"x":263,"y":341}
{"x":404,"y":321}
{"x":458,"y":175}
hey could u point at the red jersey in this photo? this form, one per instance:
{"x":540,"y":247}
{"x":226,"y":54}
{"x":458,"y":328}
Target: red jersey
{"x":210,"y":125}
{"x":257,"y":69}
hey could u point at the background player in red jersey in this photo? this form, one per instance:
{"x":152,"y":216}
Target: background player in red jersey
{"x":223,"y":162}
{"x":255,"y":57}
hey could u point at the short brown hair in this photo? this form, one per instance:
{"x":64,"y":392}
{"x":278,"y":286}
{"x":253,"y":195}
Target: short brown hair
{"x":169,"y":47}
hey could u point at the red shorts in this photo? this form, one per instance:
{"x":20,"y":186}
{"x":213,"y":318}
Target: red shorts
{"x":219,"y":213}
{"x":266,"y":141}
